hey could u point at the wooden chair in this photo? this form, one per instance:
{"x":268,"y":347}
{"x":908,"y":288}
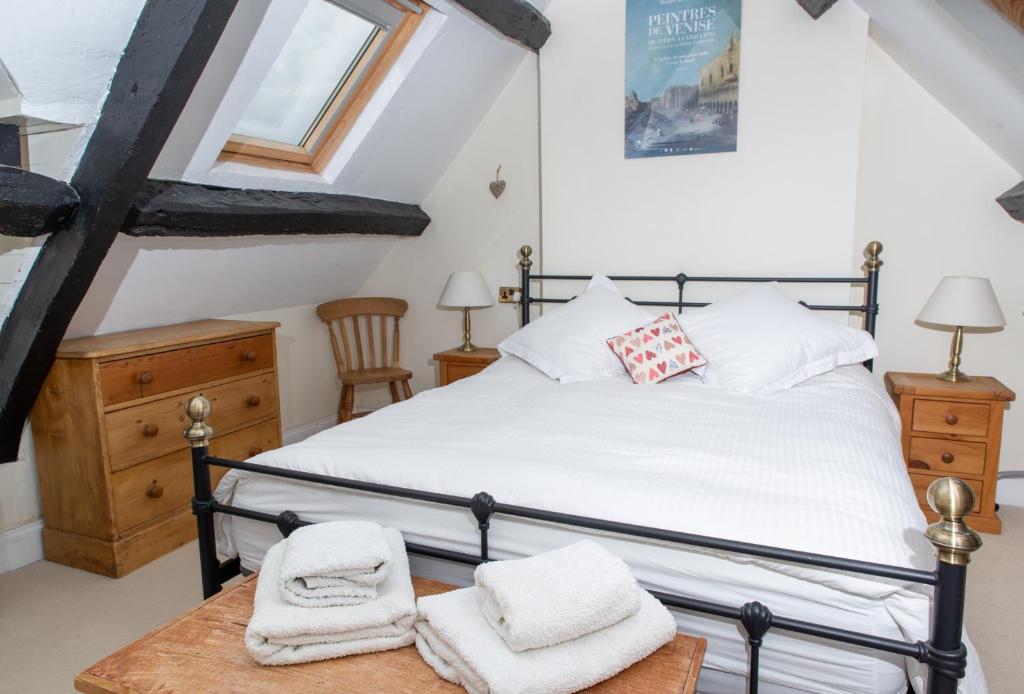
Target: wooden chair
{"x":351,"y":326}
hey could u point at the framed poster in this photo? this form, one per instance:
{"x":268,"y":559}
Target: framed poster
{"x":682,"y":76}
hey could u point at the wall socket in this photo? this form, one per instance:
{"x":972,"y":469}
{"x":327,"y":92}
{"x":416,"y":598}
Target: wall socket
{"x":507,"y":295}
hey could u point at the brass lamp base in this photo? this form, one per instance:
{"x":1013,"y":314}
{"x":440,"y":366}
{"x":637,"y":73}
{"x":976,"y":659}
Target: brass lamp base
{"x":953,"y":374}
{"x":467,"y":346}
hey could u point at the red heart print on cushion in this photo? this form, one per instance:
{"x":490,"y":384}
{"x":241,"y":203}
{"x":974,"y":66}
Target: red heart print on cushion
{"x":656,"y":351}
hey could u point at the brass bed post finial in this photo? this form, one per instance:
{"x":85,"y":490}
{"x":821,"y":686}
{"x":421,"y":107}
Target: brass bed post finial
{"x":954,"y":541}
{"x":524,"y":257}
{"x":872,"y":251}
{"x":199,"y":433}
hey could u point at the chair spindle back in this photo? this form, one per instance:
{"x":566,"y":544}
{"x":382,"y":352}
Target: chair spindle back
{"x":359,"y":330}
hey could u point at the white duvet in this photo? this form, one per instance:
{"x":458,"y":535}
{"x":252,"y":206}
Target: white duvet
{"x":816,"y":467}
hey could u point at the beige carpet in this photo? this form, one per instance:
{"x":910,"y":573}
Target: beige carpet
{"x":56,"y":621}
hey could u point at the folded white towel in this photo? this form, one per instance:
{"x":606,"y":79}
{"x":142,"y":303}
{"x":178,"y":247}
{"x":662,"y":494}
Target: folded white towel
{"x":281,"y":633}
{"x":455,"y":639}
{"x":556,"y":596}
{"x":337,"y":563}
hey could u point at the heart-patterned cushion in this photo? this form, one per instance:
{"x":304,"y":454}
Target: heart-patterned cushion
{"x":666,"y":351}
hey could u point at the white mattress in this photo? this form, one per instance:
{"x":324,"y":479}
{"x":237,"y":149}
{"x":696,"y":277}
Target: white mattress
{"x":816,"y":468}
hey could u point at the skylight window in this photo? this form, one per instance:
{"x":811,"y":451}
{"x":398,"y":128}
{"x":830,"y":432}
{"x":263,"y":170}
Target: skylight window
{"x":337,"y":54}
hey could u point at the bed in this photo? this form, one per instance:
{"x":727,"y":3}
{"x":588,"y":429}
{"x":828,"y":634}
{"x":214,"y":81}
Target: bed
{"x":714,"y":498}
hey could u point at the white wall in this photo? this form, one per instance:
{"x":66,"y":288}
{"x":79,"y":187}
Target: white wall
{"x":783,"y":203}
{"x":927,"y":188}
{"x":470,"y":231}
{"x":309,"y":393}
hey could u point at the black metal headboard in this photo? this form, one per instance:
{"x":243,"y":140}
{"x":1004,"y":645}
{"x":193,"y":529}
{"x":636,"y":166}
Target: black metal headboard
{"x":869,"y":308}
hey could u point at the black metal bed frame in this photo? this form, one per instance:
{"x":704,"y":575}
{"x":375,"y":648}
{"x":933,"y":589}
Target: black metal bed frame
{"x":943,"y":653}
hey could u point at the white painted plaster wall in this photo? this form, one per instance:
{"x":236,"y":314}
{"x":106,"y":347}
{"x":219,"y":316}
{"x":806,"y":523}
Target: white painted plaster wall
{"x":19,"y":485}
{"x":471,"y":231}
{"x":783,"y":203}
{"x":927,"y":187}
{"x":62,"y":55}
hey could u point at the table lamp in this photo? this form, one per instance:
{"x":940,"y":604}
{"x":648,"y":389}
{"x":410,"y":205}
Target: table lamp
{"x":962,"y":302}
{"x":466,"y":290}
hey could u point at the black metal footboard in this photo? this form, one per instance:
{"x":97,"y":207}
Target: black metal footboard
{"x":943,"y":653}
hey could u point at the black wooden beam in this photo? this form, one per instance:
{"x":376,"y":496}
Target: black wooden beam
{"x":516,"y":19}
{"x":816,"y":8}
{"x":10,"y":144}
{"x":174,"y":208}
{"x":1013,"y":201}
{"x":32,"y":204}
{"x":165,"y":56}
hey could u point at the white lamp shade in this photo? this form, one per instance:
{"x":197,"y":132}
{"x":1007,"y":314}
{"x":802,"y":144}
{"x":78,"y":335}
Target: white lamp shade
{"x":966,"y":301}
{"x":466,"y":290}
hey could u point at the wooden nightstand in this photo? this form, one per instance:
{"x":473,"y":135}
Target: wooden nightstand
{"x":455,"y":364}
{"x":952,"y":429}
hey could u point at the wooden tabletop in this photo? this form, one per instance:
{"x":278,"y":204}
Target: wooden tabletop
{"x":482,"y":355}
{"x":930,"y":385}
{"x":112,"y":344}
{"x":203,"y":651}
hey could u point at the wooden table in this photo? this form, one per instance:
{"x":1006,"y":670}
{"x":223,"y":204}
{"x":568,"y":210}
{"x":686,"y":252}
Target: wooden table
{"x":203,"y":651}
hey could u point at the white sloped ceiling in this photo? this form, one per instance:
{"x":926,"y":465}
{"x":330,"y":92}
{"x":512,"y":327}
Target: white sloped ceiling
{"x":429,"y":105}
{"x":968,"y":56}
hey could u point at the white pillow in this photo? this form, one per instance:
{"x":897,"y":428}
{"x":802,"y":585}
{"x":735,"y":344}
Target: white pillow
{"x":762,"y":341}
{"x":569,"y":343}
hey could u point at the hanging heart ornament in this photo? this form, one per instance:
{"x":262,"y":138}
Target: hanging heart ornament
{"x":497,"y":185}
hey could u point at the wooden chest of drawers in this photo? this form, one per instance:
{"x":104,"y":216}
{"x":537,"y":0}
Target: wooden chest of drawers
{"x":115,"y":472}
{"x":952,"y":429}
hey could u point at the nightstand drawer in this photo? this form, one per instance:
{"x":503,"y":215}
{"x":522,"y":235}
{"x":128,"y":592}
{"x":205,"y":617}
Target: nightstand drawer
{"x":456,"y":372}
{"x":947,"y":457}
{"x":946,"y":417}
{"x":921,"y":483}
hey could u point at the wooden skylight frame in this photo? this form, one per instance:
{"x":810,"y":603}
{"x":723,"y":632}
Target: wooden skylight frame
{"x":340,"y":113}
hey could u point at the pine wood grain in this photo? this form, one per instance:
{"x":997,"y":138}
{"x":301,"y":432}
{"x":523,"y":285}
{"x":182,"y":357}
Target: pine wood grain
{"x":153,"y":429}
{"x":203,"y":651}
{"x":350,"y":330}
{"x":454,"y":364}
{"x":151,"y":374}
{"x":159,"y":338}
{"x":115,"y":479}
{"x":952,"y":429}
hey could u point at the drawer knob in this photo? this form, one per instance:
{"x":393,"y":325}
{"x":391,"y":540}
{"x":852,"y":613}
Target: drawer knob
{"x":255,"y":450}
{"x":948,"y":458}
{"x":952,"y":419}
{"x":155,"y":491}
{"x":249,"y":355}
{"x":145,"y":377}
{"x":150,"y":430}
{"x":253,"y":401}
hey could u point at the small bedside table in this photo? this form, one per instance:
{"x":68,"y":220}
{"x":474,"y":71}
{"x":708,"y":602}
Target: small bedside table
{"x":456,"y":364}
{"x":952,"y":429}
